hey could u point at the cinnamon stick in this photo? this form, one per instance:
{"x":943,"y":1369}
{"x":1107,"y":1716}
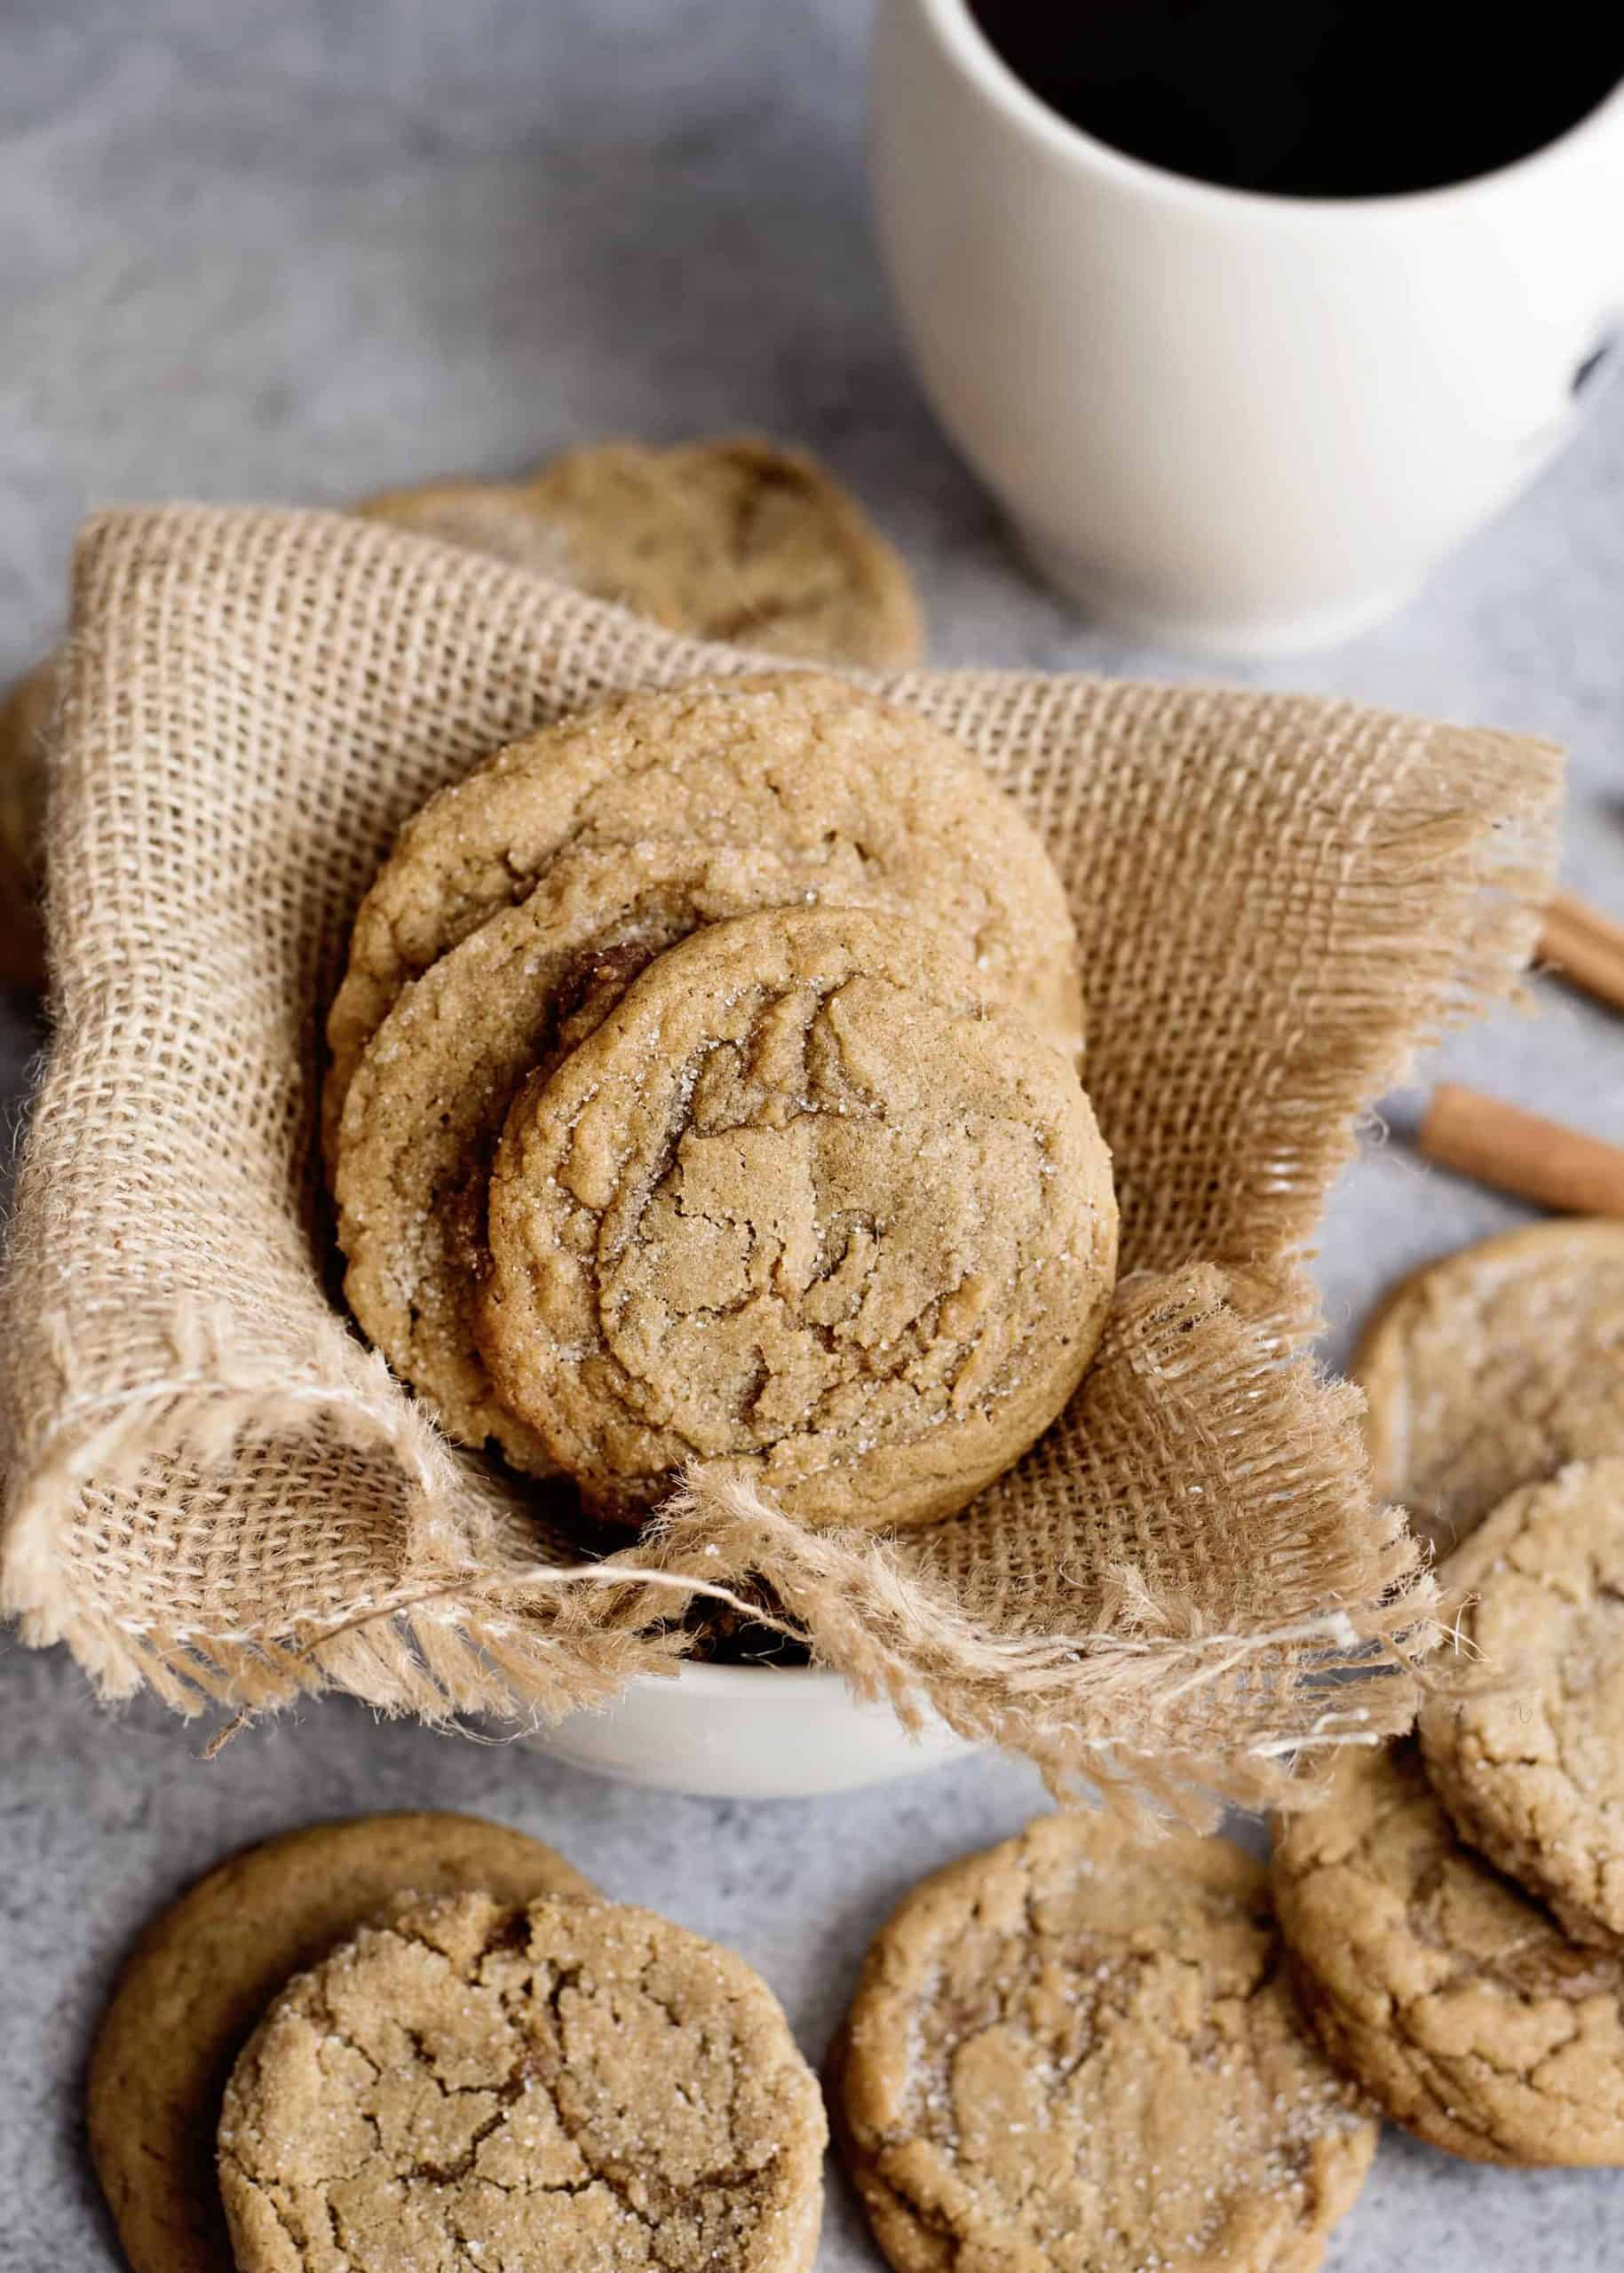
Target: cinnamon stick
{"x":1521,"y":1153}
{"x":1586,"y":946}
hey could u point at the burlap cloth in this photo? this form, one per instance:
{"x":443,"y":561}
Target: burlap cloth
{"x":215,"y":1488}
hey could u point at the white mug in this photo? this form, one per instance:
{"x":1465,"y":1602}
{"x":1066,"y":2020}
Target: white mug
{"x":1241,"y":423}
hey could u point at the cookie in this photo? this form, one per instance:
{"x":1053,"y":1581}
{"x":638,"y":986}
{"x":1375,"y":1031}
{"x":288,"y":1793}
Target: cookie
{"x":1077,"y":2054}
{"x":1492,"y":1368}
{"x":804,"y":1211}
{"x":25,"y":717}
{"x":738,"y":539}
{"x":734,"y":539}
{"x":1532,"y":1768}
{"x":203,"y":1972}
{"x":565,"y":2084}
{"x":892,"y":810}
{"x":498,"y":518}
{"x":426,"y":1107}
{"x":1458,"y":2002}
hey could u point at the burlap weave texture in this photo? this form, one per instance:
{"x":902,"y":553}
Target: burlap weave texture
{"x":214,"y":1487}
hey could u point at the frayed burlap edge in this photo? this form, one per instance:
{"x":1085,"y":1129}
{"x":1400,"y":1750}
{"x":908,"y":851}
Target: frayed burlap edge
{"x":481,"y":1627}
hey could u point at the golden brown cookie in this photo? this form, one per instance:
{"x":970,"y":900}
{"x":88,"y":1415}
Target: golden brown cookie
{"x":1491,"y":1368}
{"x":892,"y":810}
{"x":734,"y":538}
{"x":738,"y":539}
{"x":1532,"y":1768}
{"x":1458,"y":2003}
{"x":203,"y":1972}
{"x":24,"y":717}
{"x":569,"y":2084}
{"x":426,"y":1107}
{"x":500,"y":518}
{"x":1075,"y":2054}
{"x":808,"y":1211}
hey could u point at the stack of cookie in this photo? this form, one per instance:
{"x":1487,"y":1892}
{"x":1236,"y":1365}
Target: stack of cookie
{"x":456,"y":2055}
{"x":704,"y":1094}
{"x":1455,"y":1910}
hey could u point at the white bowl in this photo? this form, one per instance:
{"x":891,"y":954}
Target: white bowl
{"x":747,"y":1732}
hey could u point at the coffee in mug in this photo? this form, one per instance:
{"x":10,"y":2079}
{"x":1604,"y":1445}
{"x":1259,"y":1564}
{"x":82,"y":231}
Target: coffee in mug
{"x":1313,"y":97}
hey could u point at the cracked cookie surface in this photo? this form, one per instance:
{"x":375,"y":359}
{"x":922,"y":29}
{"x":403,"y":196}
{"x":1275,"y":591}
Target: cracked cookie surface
{"x":1492,"y":1369}
{"x":425,"y":1108}
{"x":1456,"y":2000}
{"x":1075,"y":2054}
{"x":807,"y":1210}
{"x":1532,"y":1770}
{"x":205,"y":1969}
{"x":801,"y":767}
{"x":573,"y":2084}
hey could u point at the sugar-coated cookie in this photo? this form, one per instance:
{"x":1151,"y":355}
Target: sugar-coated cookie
{"x":807,"y":1210}
{"x":1530,"y":1760}
{"x":203,"y":1972}
{"x":1076,"y":2054}
{"x":1492,"y":1367}
{"x":431,"y":1091}
{"x":570,"y":2084}
{"x":1458,"y":2002}
{"x":890,"y":809}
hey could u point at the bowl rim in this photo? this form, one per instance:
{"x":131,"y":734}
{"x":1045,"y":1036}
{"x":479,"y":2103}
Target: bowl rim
{"x":723,"y":1679}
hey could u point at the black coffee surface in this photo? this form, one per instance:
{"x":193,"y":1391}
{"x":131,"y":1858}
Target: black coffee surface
{"x":1309,"y":98}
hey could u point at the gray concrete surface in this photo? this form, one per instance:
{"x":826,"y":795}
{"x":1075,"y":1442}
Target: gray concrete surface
{"x":301,"y":251}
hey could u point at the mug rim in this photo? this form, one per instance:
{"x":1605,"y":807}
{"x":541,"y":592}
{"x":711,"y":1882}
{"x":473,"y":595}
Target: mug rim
{"x":981,"y":64}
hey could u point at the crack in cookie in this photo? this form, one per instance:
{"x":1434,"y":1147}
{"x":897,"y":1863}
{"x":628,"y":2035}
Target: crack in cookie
{"x":423,"y":1112}
{"x":1531,"y":1767}
{"x":1456,"y":2001}
{"x":1076,"y":2053}
{"x":1493,"y":1368}
{"x":679,"y":1272}
{"x":203,"y":1972}
{"x":883,"y":808}
{"x":570,"y":2082}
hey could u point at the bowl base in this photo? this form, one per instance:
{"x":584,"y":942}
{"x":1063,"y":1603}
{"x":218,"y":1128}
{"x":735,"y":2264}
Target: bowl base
{"x":732,"y":1732}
